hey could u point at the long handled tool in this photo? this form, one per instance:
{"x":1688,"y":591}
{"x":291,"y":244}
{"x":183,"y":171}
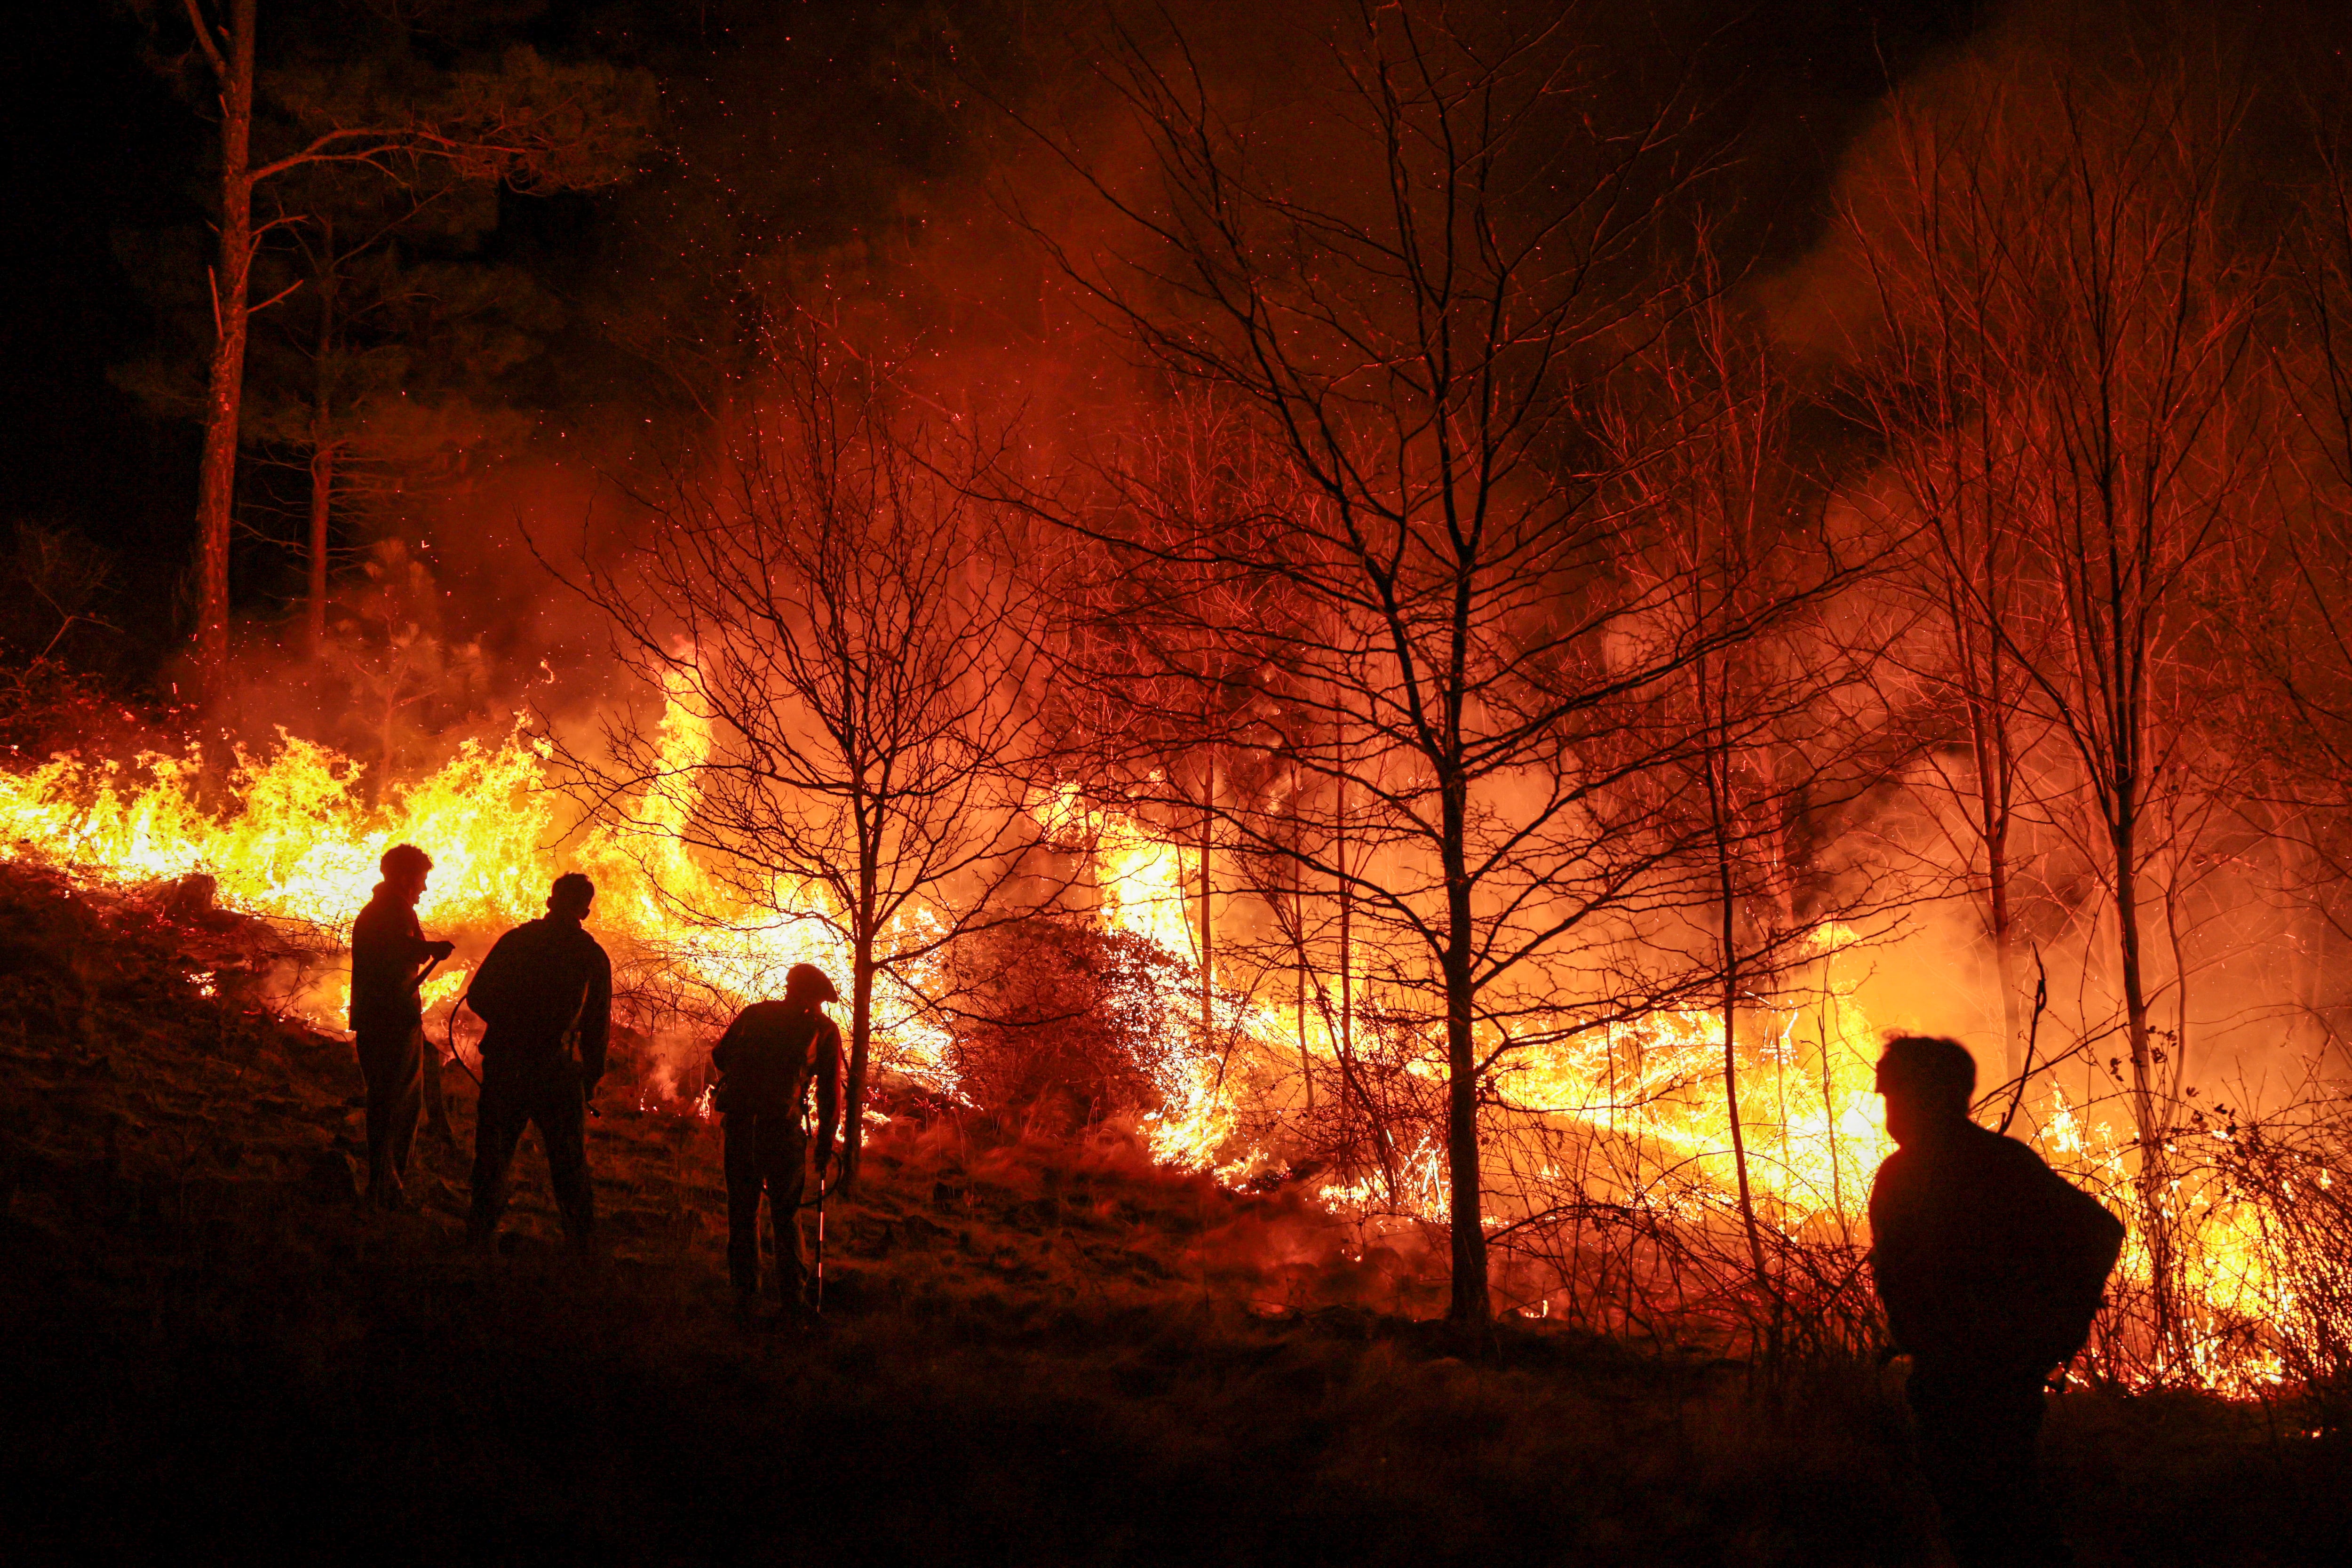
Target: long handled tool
{"x":449,"y":1028}
{"x":824,"y":1191}
{"x":437,"y":1108}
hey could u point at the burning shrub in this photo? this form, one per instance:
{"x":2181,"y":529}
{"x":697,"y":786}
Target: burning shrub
{"x":1063,"y":1025}
{"x":2301,"y":1221}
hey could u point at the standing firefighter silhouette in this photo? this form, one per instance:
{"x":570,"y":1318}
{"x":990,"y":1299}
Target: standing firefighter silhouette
{"x":1990,"y":1266}
{"x":389,"y":959}
{"x":767,"y":1059}
{"x":546,"y":994}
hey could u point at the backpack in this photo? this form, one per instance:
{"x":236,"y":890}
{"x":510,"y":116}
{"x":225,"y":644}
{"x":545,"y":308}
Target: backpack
{"x":768,"y":1058}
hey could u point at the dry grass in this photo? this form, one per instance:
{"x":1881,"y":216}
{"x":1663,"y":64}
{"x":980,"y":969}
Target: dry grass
{"x":1036,"y":1352}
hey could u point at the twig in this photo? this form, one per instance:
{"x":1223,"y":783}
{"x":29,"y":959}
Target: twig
{"x":2033,"y":1037}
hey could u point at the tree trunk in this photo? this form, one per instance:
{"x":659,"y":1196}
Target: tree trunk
{"x":861,"y":1037}
{"x":1989,"y":742}
{"x":1374,"y":1118}
{"x":2154,"y":1168}
{"x":322,"y":491}
{"x":1717,"y":806}
{"x":1208,"y":930}
{"x":1298,"y":922}
{"x":1464,"y":1210}
{"x":1347,"y":940}
{"x":322,"y":448}
{"x":2004,"y":958}
{"x":224,"y":391}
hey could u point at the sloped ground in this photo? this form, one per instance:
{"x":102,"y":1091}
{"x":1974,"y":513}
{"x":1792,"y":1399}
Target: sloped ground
{"x":1032,"y":1353}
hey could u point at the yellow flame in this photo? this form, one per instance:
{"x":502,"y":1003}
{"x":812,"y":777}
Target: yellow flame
{"x":295,"y":838}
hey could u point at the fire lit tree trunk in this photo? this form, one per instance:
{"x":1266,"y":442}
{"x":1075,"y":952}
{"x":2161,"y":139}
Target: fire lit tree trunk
{"x":232,"y":58}
{"x":1989,"y":738}
{"x":322,"y":491}
{"x":867,"y":814}
{"x":1376,"y":1120}
{"x":1716,"y":762}
{"x":1208,"y":928}
{"x":1974,"y":601}
{"x":1465,"y":1202}
{"x":1414,"y":354}
{"x":324,"y":448}
{"x":2150,"y":1121}
{"x":1345,"y":895}
{"x":861,"y":1051}
{"x":1299,"y":989}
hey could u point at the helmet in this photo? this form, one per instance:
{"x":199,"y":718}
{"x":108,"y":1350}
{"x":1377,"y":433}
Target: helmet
{"x":806,"y":983}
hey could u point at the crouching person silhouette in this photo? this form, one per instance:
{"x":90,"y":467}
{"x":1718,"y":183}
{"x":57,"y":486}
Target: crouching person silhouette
{"x":1990,"y":1266}
{"x":545,"y":992}
{"x":767,"y":1060}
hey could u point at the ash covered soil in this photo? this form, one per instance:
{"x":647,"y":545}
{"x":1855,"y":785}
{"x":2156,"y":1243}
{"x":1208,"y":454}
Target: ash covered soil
{"x":1034,"y":1352}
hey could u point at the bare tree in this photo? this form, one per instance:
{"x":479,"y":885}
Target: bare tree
{"x":1773,"y":758}
{"x":824,"y":596}
{"x":2080,"y":232}
{"x":1422,"y":319}
{"x":1930,"y":367}
{"x":2301,"y":600}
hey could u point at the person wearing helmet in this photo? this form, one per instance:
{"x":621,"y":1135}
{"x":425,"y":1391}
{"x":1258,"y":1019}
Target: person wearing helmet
{"x":767,"y":1059}
{"x":1990,"y":1266}
{"x":546,"y":994}
{"x":389,"y":953}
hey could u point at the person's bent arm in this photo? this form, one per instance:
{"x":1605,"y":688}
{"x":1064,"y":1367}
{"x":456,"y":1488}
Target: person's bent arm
{"x":1894,"y":1264}
{"x":486,"y":993}
{"x":596,"y":1016}
{"x":385,"y":951}
{"x":723,"y":1052}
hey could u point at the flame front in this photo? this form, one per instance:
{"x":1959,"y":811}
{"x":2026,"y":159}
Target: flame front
{"x":1636,"y":1110}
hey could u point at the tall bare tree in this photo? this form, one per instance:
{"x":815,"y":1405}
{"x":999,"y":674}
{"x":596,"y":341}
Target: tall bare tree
{"x":2080,"y":232}
{"x":1421,"y":314}
{"x":826,"y":596}
{"x":1931,"y":370}
{"x":1773,"y":757}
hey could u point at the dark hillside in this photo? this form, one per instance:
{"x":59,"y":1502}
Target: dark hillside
{"x":1034,"y":1352}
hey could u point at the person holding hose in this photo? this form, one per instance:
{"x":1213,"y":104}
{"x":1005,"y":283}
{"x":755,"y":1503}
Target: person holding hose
{"x":767,"y":1060}
{"x":389,"y":958}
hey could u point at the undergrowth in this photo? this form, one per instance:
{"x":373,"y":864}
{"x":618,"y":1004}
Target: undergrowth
{"x":1035,"y":1350}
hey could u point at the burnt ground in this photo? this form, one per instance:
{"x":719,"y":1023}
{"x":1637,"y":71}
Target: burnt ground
{"x":1034,"y":1352}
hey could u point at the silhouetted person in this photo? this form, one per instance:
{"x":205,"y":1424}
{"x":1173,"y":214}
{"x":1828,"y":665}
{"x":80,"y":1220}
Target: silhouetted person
{"x":546,"y":994}
{"x":1990,"y":1266}
{"x":388,"y":954}
{"x":768,"y":1057}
